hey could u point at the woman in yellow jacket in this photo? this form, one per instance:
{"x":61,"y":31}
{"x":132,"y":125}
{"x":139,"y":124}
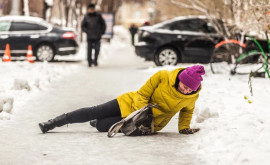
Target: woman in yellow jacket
{"x":173,"y":91}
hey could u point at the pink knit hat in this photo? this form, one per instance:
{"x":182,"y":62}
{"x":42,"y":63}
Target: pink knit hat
{"x":192,"y":76}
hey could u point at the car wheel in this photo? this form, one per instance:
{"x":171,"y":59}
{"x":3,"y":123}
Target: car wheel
{"x":222,"y":58}
{"x":44,"y":52}
{"x":166,"y":56}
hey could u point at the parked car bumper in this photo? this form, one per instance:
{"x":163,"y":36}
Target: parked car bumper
{"x":67,"y":50}
{"x":66,"y":47}
{"x":145,"y":51}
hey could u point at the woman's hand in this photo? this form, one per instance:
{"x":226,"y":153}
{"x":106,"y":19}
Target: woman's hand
{"x":188,"y":131}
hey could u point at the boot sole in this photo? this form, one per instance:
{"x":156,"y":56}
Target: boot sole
{"x":41,"y":128}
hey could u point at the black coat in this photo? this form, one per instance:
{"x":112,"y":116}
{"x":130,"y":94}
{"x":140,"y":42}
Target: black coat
{"x":93,"y":25}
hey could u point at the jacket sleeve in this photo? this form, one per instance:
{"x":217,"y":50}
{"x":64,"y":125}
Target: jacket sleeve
{"x":185,"y":116}
{"x":84,"y":25}
{"x":103,"y":25}
{"x":143,"y":95}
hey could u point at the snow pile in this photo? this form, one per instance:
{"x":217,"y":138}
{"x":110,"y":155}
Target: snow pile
{"x":6,"y":105}
{"x":234,"y":125}
{"x":20,"y":84}
{"x":21,"y":79}
{"x":204,"y":114}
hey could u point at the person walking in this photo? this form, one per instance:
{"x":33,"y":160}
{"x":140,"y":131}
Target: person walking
{"x":174,"y":91}
{"x":94,"y":26}
{"x":133,"y":30}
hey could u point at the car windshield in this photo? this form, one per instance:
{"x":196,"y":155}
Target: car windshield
{"x":44,"y":23}
{"x":163,"y":25}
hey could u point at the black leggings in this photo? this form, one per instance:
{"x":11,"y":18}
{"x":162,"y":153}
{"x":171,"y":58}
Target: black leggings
{"x":106,"y":114}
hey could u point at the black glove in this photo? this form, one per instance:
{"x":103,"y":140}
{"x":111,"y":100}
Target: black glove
{"x":188,"y":131}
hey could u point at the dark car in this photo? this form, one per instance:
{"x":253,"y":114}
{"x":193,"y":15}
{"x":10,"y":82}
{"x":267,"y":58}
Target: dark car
{"x":45,"y":39}
{"x":182,"y":39}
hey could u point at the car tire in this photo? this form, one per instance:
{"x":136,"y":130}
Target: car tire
{"x":45,"y":52}
{"x":222,"y":57}
{"x":166,"y":56}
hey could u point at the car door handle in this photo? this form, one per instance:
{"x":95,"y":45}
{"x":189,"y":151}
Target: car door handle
{"x":4,"y":36}
{"x":34,"y":36}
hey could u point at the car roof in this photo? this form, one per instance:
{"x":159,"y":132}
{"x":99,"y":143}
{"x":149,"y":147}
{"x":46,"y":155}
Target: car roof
{"x":24,"y":18}
{"x":181,"y":18}
{"x":173,"y":20}
{"x":188,"y":17}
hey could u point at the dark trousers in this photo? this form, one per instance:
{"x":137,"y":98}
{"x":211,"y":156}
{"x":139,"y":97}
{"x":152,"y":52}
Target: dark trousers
{"x":106,"y":114}
{"x":93,"y":44}
{"x":132,"y":39}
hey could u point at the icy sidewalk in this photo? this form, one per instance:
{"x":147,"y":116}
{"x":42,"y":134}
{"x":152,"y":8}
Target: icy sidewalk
{"x":22,"y":142}
{"x":233,"y":131}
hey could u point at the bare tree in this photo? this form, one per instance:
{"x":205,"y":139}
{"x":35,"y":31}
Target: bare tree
{"x":192,"y":4}
{"x":26,"y":7}
{"x":252,"y":15}
{"x":248,"y":15}
{"x":209,"y":9}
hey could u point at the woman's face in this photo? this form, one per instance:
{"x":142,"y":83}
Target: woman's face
{"x":182,"y":88}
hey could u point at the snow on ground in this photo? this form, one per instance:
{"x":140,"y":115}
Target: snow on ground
{"x":235,"y":126}
{"x":22,"y":79}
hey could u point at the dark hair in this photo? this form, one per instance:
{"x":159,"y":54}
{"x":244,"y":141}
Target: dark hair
{"x":91,"y":6}
{"x":177,"y":82}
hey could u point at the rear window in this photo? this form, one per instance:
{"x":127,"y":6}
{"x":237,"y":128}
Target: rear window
{"x":4,"y":26}
{"x":25,"y":26}
{"x":194,"y":25}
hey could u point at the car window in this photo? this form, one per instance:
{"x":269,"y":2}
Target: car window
{"x":4,"y":26}
{"x":209,"y":27}
{"x":166,"y":26}
{"x":40,"y":27}
{"x":185,"y":25}
{"x":25,"y":26}
{"x":194,"y":25}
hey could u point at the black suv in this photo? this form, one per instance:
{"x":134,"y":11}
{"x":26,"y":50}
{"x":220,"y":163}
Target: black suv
{"x":182,"y":39}
{"x":45,"y":39}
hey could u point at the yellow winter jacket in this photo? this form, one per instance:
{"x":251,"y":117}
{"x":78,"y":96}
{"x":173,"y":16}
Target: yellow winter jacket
{"x":160,"y":89}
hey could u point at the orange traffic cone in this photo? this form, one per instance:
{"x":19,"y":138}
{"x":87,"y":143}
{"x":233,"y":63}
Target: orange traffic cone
{"x":7,"y":56}
{"x":29,"y":56}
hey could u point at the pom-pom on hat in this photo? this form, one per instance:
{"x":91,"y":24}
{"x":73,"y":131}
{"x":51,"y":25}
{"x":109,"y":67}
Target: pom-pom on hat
{"x":192,"y":76}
